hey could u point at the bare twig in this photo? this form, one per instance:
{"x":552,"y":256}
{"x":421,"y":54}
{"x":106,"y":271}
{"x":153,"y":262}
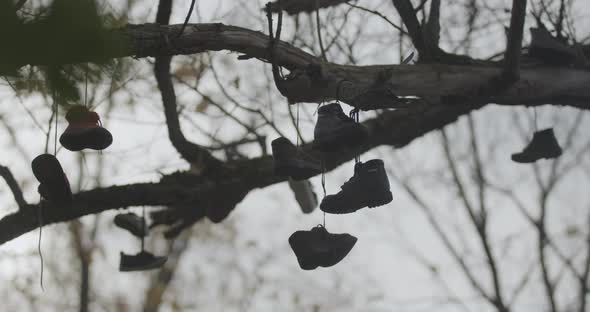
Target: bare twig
{"x":479,"y":220}
{"x":378,"y":14}
{"x":14,"y":187}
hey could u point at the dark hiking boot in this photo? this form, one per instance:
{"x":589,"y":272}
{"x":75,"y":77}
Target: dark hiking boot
{"x":319,"y":248}
{"x":141,"y":262}
{"x":290,"y":162}
{"x":543,"y":145}
{"x":334,"y":130}
{"x":369,"y":187}
{"x":84,"y":131}
{"x":550,"y":49}
{"x":132,"y":223}
{"x":54,"y":185}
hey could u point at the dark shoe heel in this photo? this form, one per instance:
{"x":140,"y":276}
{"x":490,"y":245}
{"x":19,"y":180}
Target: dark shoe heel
{"x":380,"y":200}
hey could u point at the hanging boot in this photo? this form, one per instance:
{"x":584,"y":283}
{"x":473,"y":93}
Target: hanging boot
{"x":140,"y":262}
{"x":54,"y":185}
{"x":288,"y":161}
{"x":318,"y":247}
{"x":334,"y":130}
{"x":132,"y":223}
{"x":368,"y":187}
{"x":543,"y":145}
{"x":549,"y":49}
{"x":84,"y":131}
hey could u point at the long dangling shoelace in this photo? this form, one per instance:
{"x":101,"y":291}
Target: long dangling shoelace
{"x":143,"y":228}
{"x":354,"y":115}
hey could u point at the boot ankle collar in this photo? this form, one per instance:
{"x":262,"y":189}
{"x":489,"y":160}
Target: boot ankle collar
{"x":332,"y":107}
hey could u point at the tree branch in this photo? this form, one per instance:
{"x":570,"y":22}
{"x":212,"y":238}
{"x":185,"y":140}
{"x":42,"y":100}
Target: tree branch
{"x":538,"y":85}
{"x":408,"y":15}
{"x":14,"y":187}
{"x":512,"y":55}
{"x":223,"y":188}
{"x":193,"y":153}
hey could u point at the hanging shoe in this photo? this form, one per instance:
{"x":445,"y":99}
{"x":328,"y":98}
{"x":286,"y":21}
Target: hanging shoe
{"x":334,"y":130}
{"x":318,"y":247}
{"x":304,"y":195}
{"x":141,"y":262}
{"x":543,"y":145}
{"x":368,"y":187}
{"x":132,"y":223}
{"x":54,"y":185}
{"x":549,"y":49}
{"x":288,"y":161}
{"x":84,"y":131}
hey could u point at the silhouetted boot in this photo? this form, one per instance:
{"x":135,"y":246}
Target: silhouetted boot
{"x":334,"y":130}
{"x":132,"y":223}
{"x":54,"y":185}
{"x":549,"y":49}
{"x":84,"y":131}
{"x":318,"y":247}
{"x":368,"y":187}
{"x":288,"y":161}
{"x":543,"y":145}
{"x":140,"y":262}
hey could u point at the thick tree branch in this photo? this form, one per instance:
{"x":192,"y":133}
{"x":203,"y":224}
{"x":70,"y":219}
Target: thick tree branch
{"x":14,"y":187}
{"x":512,"y":55}
{"x":538,"y":85}
{"x":226,"y":186}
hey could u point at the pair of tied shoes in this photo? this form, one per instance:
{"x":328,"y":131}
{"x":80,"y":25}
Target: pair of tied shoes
{"x":84,"y":131}
{"x":318,"y":247}
{"x":144,"y":260}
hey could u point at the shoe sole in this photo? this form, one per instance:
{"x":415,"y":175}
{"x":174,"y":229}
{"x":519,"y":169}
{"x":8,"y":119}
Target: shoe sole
{"x":151,"y":266}
{"x":349,"y":137}
{"x":374,"y":201}
{"x":524,"y":160}
{"x":77,"y":140}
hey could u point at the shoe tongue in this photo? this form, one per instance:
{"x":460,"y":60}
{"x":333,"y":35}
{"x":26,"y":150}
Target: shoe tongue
{"x":357,"y":167}
{"x":320,"y":230}
{"x":330,"y":108}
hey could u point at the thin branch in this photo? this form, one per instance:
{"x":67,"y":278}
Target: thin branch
{"x":478,"y":220}
{"x":14,"y":187}
{"x":380,"y":15}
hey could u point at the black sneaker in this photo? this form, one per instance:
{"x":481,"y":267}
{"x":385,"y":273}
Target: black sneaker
{"x":334,"y":130}
{"x":54,"y":186}
{"x":132,"y":223}
{"x":141,"y":262}
{"x":369,"y":187}
{"x":289,"y":162}
{"x":318,"y":247}
{"x":543,"y":145}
